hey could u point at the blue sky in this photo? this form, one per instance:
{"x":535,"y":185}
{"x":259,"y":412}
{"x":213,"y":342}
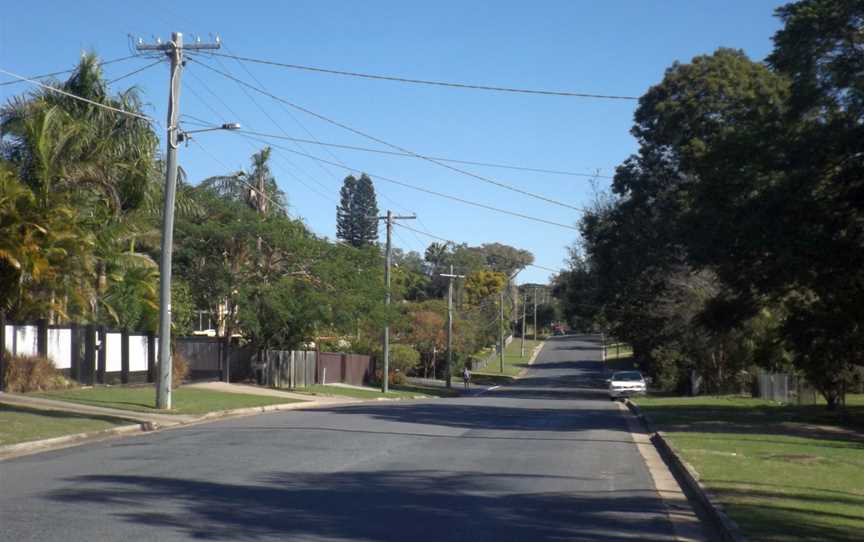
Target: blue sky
{"x":609,"y":47}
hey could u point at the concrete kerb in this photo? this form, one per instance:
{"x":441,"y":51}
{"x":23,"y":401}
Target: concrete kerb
{"x":722,"y":524}
{"x":534,"y":354}
{"x":11,"y":451}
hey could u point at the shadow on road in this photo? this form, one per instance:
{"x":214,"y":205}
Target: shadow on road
{"x":398,"y":505}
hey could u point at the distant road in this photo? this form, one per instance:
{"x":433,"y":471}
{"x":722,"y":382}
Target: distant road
{"x":548,"y":458}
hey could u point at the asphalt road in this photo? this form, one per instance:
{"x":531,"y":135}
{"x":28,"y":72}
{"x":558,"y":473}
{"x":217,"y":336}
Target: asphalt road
{"x":549,"y":458}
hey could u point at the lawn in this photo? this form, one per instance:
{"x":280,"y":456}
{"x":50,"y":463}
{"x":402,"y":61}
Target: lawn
{"x":781,"y":472}
{"x":142,"y":399}
{"x":19,"y":424}
{"x":434,"y":391}
{"x":357,"y":393}
{"x":513,"y":360}
{"x":616,"y":350}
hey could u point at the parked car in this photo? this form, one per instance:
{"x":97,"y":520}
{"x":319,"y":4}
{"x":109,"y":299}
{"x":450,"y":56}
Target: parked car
{"x":626,"y":384}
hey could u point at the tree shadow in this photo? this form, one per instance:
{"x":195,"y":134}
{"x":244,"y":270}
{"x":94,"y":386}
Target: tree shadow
{"x":472,"y":414}
{"x":776,"y":420}
{"x":375,"y":506}
{"x":62,"y":414}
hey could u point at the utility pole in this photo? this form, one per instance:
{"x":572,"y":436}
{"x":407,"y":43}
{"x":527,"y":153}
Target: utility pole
{"x":389,"y":218}
{"x":501,"y":333}
{"x":535,"y":313}
{"x":174,"y":49}
{"x":524,"y":303}
{"x":450,"y":276}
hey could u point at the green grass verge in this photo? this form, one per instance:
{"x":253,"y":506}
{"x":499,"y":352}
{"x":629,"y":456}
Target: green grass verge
{"x":432,"y":391}
{"x":618,"y":350}
{"x":781,"y":472}
{"x":513,"y":360}
{"x":370,"y":393}
{"x":143,"y":398}
{"x":19,"y":424}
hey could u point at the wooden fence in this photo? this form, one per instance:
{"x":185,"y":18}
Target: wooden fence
{"x":300,"y":369}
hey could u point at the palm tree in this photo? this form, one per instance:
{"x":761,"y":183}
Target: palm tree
{"x":100,"y":164}
{"x":257,"y":188}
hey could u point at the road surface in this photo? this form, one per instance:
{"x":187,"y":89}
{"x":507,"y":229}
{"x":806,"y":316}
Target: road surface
{"x":549,"y":458}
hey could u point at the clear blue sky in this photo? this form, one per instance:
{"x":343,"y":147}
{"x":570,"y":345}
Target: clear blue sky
{"x":609,"y":47}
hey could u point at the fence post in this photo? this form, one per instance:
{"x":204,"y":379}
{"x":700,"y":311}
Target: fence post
{"x":151,"y":357}
{"x":2,"y":350}
{"x":88,"y":368}
{"x":343,"y":366}
{"x":75,"y":349}
{"x":42,"y":337}
{"x":102,"y":355}
{"x":291,"y":375}
{"x":124,"y":357}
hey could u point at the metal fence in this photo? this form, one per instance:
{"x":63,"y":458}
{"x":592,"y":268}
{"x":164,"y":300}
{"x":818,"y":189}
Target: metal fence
{"x":785,"y":388}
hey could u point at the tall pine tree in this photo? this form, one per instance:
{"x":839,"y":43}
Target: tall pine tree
{"x":357,"y":213}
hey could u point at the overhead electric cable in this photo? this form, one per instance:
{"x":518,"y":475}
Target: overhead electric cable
{"x":45,"y":75}
{"x":381,"y":141}
{"x":409,"y":155}
{"x":247,"y":139}
{"x":130,"y":74}
{"x":468,"y":86}
{"x":303,"y":127}
{"x":433,"y":192}
{"x":76,"y":97}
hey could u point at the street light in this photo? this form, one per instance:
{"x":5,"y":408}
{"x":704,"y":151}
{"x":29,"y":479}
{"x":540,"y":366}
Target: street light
{"x":183,"y":135}
{"x":175,"y":136}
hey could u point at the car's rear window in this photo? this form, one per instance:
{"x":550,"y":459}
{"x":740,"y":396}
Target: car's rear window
{"x":627,"y":376}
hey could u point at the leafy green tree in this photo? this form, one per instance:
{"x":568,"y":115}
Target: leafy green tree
{"x":357,"y":213}
{"x":482,"y":285}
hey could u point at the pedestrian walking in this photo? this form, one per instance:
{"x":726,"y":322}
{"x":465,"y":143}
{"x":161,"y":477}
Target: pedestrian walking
{"x":466,"y":377}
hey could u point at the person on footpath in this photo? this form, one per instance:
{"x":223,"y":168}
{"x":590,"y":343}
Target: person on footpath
{"x":466,"y":377}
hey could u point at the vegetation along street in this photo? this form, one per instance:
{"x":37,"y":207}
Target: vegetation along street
{"x":472,"y":271}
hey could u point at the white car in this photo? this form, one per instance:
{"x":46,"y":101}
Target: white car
{"x":626,"y":384}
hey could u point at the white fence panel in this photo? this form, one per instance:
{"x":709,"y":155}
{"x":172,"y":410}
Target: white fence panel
{"x":113,"y":352}
{"x":10,"y":338}
{"x":25,"y":340}
{"x":60,"y":347}
{"x":137,"y":353}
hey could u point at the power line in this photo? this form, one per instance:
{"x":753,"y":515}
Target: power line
{"x":430,"y":82}
{"x":314,"y":139}
{"x":130,"y":74}
{"x":326,"y":171}
{"x":45,"y":75}
{"x":408,"y":155}
{"x":432,"y":192}
{"x":497,"y":183}
{"x":247,"y":138}
{"x":76,"y":97}
{"x":381,"y":141}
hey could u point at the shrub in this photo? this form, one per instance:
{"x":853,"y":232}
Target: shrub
{"x":32,"y":373}
{"x":179,"y":370}
{"x":396,"y":378}
{"x":403,"y":358}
